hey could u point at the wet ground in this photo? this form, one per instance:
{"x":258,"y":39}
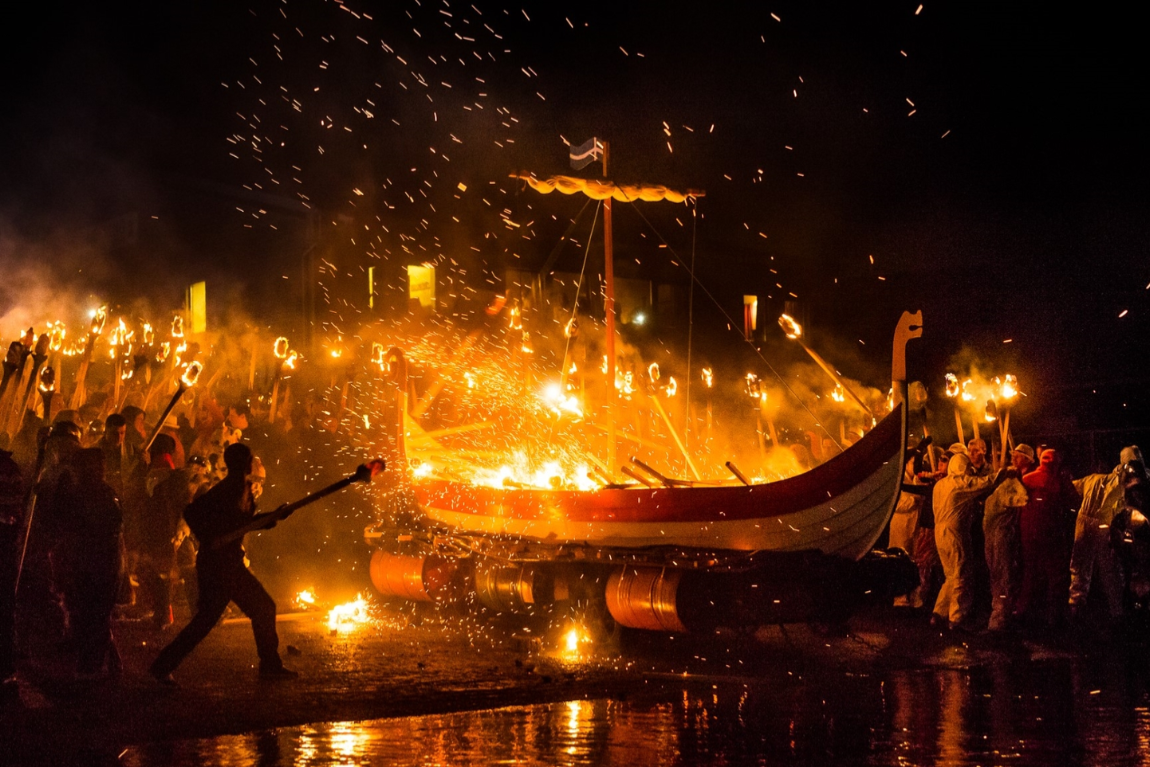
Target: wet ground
{"x":446,"y":691}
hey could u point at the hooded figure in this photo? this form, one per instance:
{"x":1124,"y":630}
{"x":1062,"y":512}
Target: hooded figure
{"x":1092,"y":558}
{"x":955,"y":501}
{"x":1046,"y":540}
{"x":1001,"y":531}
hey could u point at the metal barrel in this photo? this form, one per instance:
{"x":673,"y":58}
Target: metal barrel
{"x":644,"y":598}
{"x":420,"y":579}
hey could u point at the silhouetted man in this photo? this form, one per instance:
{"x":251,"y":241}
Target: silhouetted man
{"x":223,"y":577}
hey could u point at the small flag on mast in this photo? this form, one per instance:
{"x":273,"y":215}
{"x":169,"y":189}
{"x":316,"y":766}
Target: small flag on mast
{"x":586,"y":153}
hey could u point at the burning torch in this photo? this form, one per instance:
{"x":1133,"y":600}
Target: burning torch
{"x":12,"y":407}
{"x":187,"y":380}
{"x":364,"y":473}
{"x":99,"y":317}
{"x":39,"y":357}
{"x":286,"y":359}
{"x":952,"y":391}
{"x":47,"y":389}
{"x":794,"y":331}
{"x":1007,"y":393}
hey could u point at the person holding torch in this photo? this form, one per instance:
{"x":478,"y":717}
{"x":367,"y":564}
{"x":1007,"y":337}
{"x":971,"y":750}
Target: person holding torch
{"x":222,"y":574}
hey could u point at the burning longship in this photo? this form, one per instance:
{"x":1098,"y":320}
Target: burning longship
{"x":681,"y":556}
{"x":677,"y":557}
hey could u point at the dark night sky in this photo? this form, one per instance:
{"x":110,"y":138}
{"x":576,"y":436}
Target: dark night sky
{"x":1027,"y":221}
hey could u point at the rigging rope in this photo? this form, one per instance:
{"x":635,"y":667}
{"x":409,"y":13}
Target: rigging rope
{"x":678,"y":261}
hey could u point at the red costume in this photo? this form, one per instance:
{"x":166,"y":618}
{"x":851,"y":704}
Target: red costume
{"x":1047,"y":523}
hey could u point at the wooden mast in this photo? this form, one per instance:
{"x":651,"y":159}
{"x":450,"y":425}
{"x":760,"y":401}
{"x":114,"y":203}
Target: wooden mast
{"x":609,"y":311}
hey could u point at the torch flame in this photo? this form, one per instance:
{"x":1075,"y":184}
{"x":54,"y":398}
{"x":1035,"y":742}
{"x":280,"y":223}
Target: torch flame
{"x":99,"y":317}
{"x":752,"y":386}
{"x":305,"y":598}
{"x":1010,"y":387}
{"x":149,"y":334}
{"x":793,"y":330}
{"x":178,"y":326}
{"x":56,"y":332}
{"x":967,"y":395}
{"x":708,"y":377}
{"x":163,"y":352}
{"x":672,"y":387}
{"x":191,"y":373}
{"x":951,"y":385}
{"x":838,"y":395}
{"x":377,"y":355}
{"x":47,"y":380}
{"x":653,"y":371}
{"x":571,"y":329}
{"x":280,"y":348}
{"x":289,"y":363}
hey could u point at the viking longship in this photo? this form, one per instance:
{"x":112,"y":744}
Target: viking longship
{"x":680,"y":557}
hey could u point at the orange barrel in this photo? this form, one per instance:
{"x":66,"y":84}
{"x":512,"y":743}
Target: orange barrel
{"x":644,"y":598}
{"x":419,"y":579}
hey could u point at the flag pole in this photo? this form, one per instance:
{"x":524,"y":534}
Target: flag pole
{"x":609,"y":311}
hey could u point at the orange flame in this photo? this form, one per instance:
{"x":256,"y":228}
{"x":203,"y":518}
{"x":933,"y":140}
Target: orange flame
{"x":793,"y":330}
{"x":191,"y":374}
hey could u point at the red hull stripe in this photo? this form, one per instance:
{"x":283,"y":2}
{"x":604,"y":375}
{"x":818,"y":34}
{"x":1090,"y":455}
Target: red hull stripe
{"x":700,"y":504}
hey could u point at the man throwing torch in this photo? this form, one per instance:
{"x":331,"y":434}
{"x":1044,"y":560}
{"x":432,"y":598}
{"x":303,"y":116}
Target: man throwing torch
{"x":217,"y":518}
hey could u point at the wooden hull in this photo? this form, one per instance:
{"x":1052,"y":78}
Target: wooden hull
{"x":839,"y":508}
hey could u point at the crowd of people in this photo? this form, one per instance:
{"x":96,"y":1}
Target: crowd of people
{"x":93,"y":523}
{"x":1026,"y":546}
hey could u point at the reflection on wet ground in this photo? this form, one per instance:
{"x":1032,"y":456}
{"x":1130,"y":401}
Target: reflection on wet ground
{"x":1056,"y":712}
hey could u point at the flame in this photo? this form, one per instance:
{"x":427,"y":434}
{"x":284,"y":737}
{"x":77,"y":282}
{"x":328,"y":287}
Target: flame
{"x":513,"y":317}
{"x":99,"y":317}
{"x":793,"y":329}
{"x":149,"y":334}
{"x":625,"y":383}
{"x":348,"y":616}
{"x":280,"y":348}
{"x":289,"y":363}
{"x":424,"y":469}
{"x":951,"y":385}
{"x":470,"y":378}
{"x":839,"y":395}
{"x":558,"y":474}
{"x":121,"y":336}
{"x":571,"y":329}
{"x":183,"y":347}
{"x":178,"y":326}
{"x":377,"y":356}
{"x":191,"y":374}
{"x":47,"y":380}
{"x":1010,"y":387}
{"x":163,"y":352}
{"x":574,"y":643}
{"x":653,"y":371}
{"x":672,"y":387}
{"x":56,"y":335}
{"x":603,"y":367}
{"x":708,"y":377}
{"x":752,"y":385}
{"x":305,"y":599}
{"x":526,"y":345}
{"x":967,"y":395}
{"x":553,"y":396}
